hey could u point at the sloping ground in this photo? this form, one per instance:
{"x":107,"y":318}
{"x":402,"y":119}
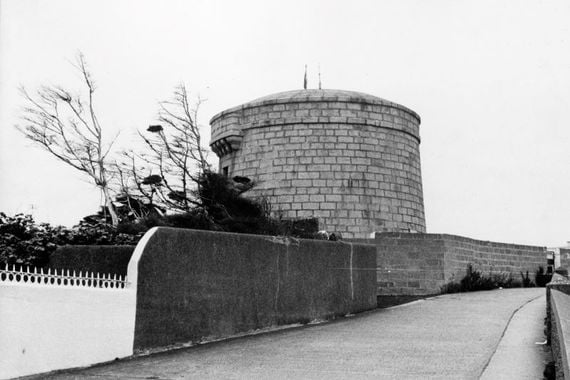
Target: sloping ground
{"x":522,"y":352}
{"x":446,"y":337}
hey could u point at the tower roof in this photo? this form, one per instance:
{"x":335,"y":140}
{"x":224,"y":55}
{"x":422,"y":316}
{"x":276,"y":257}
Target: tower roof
{"x":315,"y":95}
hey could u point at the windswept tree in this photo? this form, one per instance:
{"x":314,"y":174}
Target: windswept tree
{"x":66,"y":125}
{"x":168,"y":172}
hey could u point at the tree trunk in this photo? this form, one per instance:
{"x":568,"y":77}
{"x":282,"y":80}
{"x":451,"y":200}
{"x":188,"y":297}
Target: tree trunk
{"x":110,"y":207}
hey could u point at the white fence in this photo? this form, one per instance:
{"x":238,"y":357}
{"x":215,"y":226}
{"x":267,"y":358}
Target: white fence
{"x":40,"y":276}
{"x":51,"y":320}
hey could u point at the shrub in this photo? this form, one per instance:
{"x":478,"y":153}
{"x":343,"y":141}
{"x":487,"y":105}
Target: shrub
{"x":100,"y":234}
{"x":542,"y":278}
{"x":451,"y":287}
{"x":474,"y":280}
{"x":23,"y":242}
{"x":526,"y":281}
{"x":221,"y":208}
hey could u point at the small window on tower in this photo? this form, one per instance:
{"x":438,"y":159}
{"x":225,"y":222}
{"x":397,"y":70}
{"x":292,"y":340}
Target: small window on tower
{"x":225,"y":171}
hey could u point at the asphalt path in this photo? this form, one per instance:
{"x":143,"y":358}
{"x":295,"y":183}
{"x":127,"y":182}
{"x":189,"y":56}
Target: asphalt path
{"x":455,"y":336}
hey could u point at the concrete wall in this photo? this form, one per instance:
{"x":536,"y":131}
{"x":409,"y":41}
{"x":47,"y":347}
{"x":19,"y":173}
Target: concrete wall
{"x":201,"y":285}
{"x":558,"y":323}
{"x":419,"y":264}
{"x":349,"y":159}
{"x":46,"y":327}
{"x":112,"y":259}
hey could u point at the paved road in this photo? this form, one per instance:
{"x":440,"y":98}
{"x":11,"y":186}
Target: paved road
{"x":447,"y":337}
{"x":522,"y":352}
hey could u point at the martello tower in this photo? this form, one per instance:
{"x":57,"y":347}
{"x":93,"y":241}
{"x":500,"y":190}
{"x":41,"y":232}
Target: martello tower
{"x":349,"y":159}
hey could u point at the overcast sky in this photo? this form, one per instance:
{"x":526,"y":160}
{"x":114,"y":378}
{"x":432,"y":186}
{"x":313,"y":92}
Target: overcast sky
{"x":490,"y":79}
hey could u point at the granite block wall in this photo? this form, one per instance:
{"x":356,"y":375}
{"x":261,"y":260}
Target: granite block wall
{"x":349,"y":159}
{"x":420,"y":264}
{"x":491,"y":257}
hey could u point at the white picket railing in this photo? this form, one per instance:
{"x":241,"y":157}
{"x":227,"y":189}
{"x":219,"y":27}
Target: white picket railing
{"x":82,"y":319}
{"x":63,"y":278}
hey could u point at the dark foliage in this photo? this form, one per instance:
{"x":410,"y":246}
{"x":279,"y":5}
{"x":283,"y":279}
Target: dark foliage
{"x":154,"y":128}
{"x":100,"y":234}
{"x":526,"y":281}
{"x":549,"y":372}
{"x":220,"y":198}
{"x":152,"y":180}
{"x":542,"y":278}
{"x":223,"y":208}
{"x":474,"y":280}
{"x":23,"y":242}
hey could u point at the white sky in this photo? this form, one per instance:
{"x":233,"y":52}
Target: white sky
{"x":490,"y":79}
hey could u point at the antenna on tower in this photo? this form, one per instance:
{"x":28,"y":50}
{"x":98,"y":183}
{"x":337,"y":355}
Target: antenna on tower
{"x":319,"y":76}
{"x":305,"y":79}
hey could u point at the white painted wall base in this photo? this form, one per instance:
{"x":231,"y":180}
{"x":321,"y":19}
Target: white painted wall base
{"x":49,"y":327}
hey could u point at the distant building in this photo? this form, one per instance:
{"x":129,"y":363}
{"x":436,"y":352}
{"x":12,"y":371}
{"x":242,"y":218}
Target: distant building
{"x":349,"y":159}
{"x":558,"y":257}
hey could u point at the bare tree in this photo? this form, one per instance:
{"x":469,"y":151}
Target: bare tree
{"x":169,"y":170}
{"x":66,"y":126}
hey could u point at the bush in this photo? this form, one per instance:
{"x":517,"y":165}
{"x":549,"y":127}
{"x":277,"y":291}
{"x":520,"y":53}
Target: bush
{"x":474,"y":280}
{"x":221,"y":208}
{"x":542,"y":278}
{"x":23,"y":242}
{"x":526,"y":281}
{"x":451,"y":287}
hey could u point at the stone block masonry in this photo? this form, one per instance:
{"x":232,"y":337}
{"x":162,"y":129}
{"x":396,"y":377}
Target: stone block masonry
{"x":420,"y":264}
{"x":349,"y":159}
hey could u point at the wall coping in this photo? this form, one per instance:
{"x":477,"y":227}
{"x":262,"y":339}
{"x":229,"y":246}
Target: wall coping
{"x":448,"y":237}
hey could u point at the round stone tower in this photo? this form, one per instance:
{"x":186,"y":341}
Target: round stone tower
{"x":349,"y":159}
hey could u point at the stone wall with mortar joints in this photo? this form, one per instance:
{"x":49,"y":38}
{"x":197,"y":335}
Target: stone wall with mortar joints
{"x":490,"y":257}
{"x":419,"y":264}
{"x":409,"y":264}
{"x":355,"y":166}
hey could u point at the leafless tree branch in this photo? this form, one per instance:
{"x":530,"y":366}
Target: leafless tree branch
{"x":59,"y":123}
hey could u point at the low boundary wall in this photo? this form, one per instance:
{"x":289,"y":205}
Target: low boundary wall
{"x":558,"y":323}
{"x":202,"y":285}
{"x":420,"y":264}
{"x":112,"y":259}
{"x":51,"y":321}
{"x":182,"y":287}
